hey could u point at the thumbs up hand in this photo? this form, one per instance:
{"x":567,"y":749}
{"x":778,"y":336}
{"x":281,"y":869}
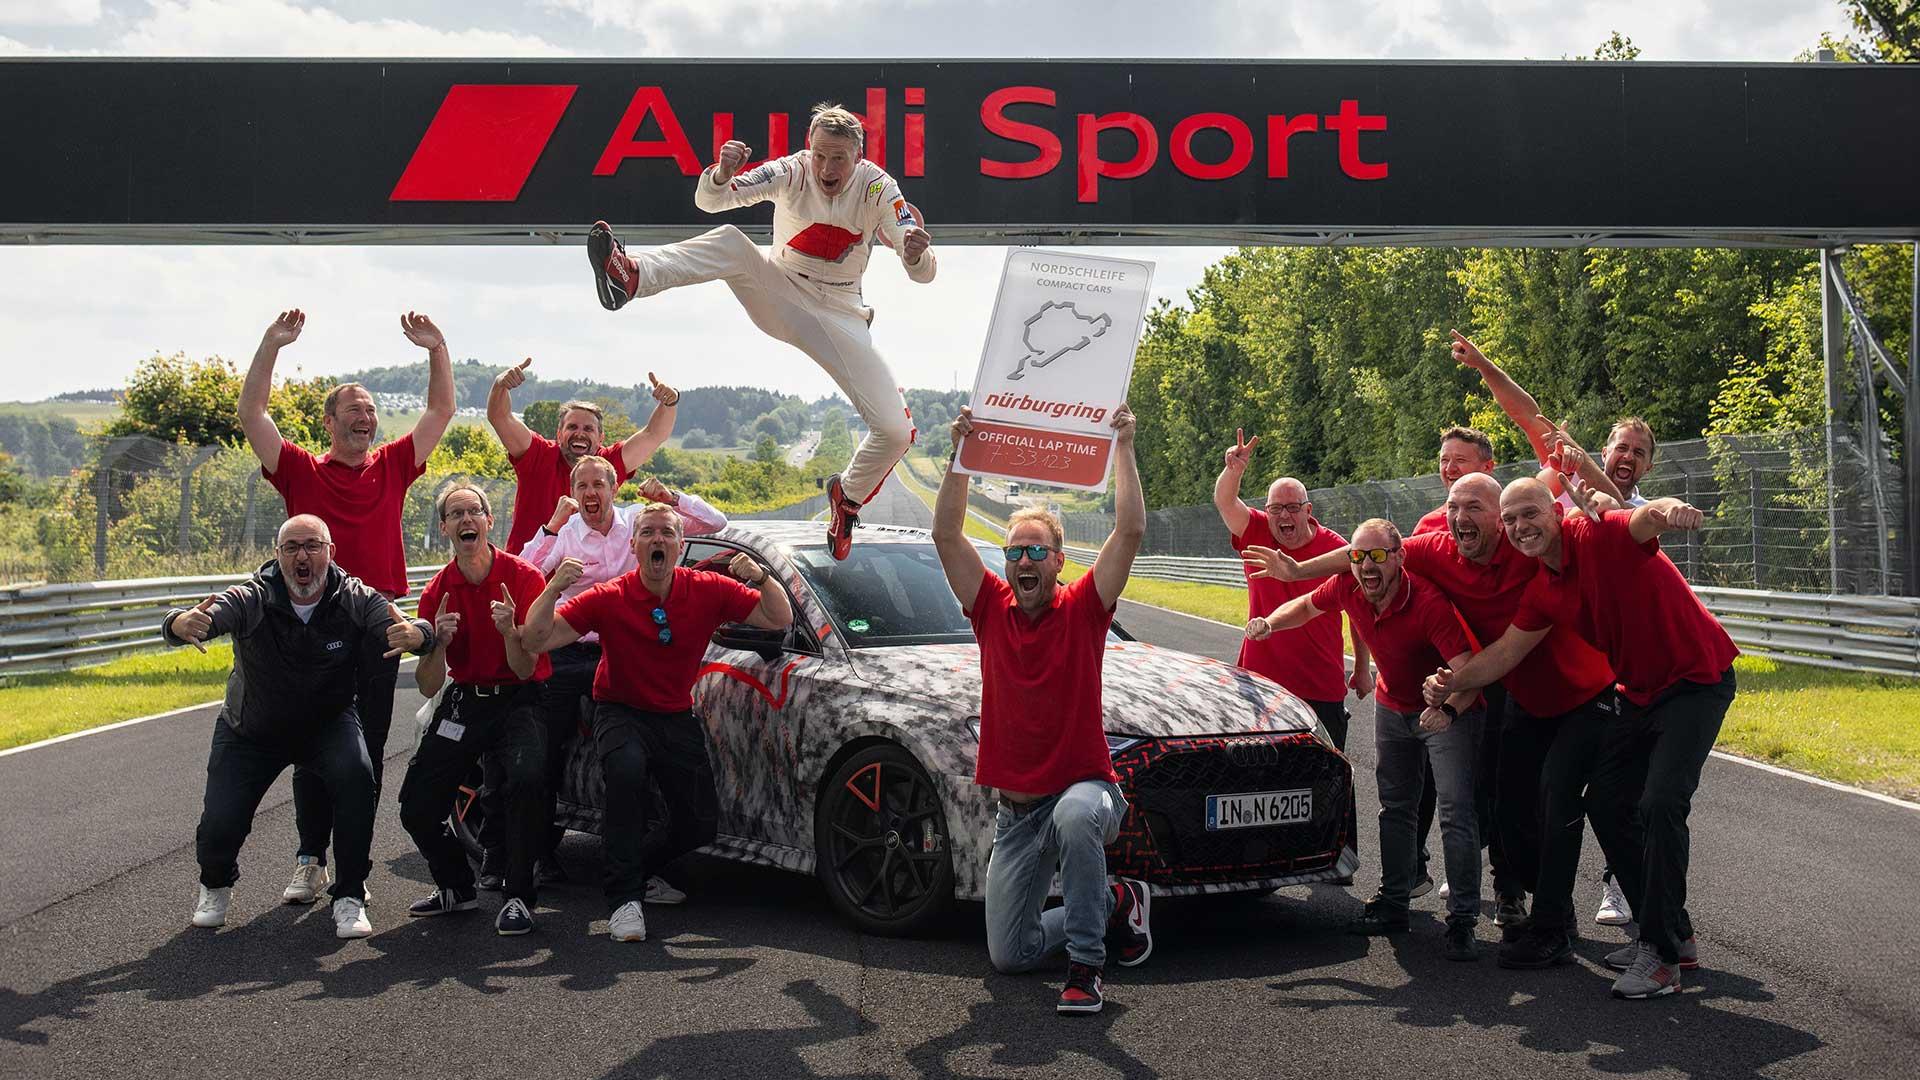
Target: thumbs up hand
{"x":195,"y":625}
{"x":402,"y":635}
{"x":503,"y":614}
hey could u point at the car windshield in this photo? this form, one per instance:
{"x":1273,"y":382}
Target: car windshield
{"x":891,"y":593}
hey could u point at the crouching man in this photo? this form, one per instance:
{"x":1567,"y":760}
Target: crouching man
{"x":1043,"y":746}
{"x":493,"y":704}
{"x":654,"y":622}
{"x":303,"y":632}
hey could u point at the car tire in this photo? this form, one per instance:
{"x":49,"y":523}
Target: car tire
{"x":465,"y":817}
{"x":881,"y":844}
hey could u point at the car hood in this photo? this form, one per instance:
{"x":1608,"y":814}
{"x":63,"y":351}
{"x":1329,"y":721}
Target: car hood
{"x":1146,"y":691}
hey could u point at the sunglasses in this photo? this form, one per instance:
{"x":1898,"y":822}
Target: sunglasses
{"x":660,"y":620}
{"x":1360,"y":555}
{"x":1034,"y":552}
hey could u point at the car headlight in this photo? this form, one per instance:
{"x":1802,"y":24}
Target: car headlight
{"x":1117,"y":743}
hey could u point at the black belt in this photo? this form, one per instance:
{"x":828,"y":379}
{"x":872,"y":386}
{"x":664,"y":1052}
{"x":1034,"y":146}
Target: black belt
{"x":477,"y":690}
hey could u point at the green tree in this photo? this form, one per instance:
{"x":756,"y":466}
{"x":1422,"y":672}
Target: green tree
{"x":766,"y":451}
{"x":175,"y":399}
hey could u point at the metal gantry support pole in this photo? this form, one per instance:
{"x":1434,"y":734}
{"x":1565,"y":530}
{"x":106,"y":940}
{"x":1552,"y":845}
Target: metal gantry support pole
{"x":1833,"y":337}
{"x":1910,"y":447}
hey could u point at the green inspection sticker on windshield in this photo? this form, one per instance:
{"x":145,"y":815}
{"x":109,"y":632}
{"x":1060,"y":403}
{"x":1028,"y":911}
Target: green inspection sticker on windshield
{"x":858,"y":626}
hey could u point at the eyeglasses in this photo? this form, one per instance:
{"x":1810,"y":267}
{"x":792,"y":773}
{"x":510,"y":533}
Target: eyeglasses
{"x":660,"y":620}
{"x":1287,"y":508}
{"x":311,"y":547}
{"x":463,"y":512}
{"x":1034,"y":552}
{"x":1360,"y":555}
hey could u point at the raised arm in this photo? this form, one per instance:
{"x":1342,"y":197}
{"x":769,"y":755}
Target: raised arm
{"x":1652,"y":519}
{"x":957,"y":555}
{"x":697,"y":516}
{"x":773,"y":612}
{"x":639,"y":447}
{"x":1226,"y":486}
{"x":720,"y":186}
{"x":1298,"y":611}
{"x":1566,"y":458}
{"x":1516,"y":402}
{"x":515,"y":435}
{"x":899,"y":224}
{"x":545,"y":631}
{"x":1280,"y":566}
{"x":432,"y":669}
{"x":439,"y":411}
{"x":1115,"y":561}
{"x":262,"y":433}
{"x":505,"y":620}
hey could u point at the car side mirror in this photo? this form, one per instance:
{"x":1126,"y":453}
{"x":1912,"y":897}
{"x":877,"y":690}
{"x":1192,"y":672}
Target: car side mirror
{"x":769,"y":644}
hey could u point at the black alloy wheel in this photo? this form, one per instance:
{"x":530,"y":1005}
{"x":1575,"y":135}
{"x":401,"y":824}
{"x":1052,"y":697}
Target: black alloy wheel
{"x":880,"y":838}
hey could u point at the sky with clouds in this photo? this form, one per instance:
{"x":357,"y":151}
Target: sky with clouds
{"x":499,"y":304}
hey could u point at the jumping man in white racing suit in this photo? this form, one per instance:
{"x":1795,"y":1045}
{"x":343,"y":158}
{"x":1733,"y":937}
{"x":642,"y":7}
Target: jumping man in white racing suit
{"x":829,"y":204}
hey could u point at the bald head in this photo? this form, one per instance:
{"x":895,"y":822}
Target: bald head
{"x":304,"y":526}
{"x":1531,"y":519}
{"x":1477,"y":485}
{"x":1285,"y":490}
{"x":1289,"y":512}
{"x":1526,"y":489}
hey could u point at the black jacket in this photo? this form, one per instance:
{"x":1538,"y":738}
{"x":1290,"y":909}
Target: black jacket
{"x":289,"y":677}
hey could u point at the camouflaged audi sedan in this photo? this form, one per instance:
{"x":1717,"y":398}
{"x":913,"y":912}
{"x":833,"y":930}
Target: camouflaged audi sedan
{"x":844,"y":746}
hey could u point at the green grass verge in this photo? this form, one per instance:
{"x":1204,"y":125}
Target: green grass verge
{"x":36,"y":707}
{"x":1842,"y":725}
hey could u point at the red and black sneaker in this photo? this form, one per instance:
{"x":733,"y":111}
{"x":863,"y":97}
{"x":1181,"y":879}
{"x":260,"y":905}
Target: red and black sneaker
{"x":1129,"y":936}
{"x":846,"y":515}
{"x":1082,"y":994}
{"x":614,"y":275}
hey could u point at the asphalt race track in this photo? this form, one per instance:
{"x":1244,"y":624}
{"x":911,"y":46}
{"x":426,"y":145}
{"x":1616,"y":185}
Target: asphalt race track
{"x":1805,"y":898}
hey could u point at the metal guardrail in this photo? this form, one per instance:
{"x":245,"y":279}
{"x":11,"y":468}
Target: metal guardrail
{"x":56,"y":627}
{"x":1878,"y":634}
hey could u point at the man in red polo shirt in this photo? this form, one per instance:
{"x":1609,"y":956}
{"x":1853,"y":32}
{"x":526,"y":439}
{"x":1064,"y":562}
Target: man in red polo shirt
{"x":493,"y":704}
{"x":1306,"y":660}
{"x":1407,"y":623}
{"x":1608,"y":578}
{"x":542,"y":467}
{"x":654,"y":623}
{"x":359,"y":490}
{"x":1043,"y":744}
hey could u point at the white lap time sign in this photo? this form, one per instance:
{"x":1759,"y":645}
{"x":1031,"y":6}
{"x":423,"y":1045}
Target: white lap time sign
{"x":1057,"y":361}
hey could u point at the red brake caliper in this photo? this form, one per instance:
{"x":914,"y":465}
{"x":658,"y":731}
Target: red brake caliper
{"x":853,"y":784}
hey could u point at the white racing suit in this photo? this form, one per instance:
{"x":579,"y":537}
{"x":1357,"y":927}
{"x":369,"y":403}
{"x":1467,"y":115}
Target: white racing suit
{"x":806,"y":292}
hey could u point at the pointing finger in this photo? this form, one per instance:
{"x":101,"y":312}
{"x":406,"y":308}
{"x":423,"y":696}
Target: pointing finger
{"x":443,"y":606}
{"x":204,"y":605}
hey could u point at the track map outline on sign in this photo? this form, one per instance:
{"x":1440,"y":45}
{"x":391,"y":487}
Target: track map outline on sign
{"x":1056,"y":364}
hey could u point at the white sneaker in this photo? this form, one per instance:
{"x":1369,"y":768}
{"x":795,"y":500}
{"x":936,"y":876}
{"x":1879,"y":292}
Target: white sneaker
{"x":350,"y":919}
{"x":1446,"y":891}
{"x":659,"y":892}
{"x":629,"y":923}
{"x":310,"y":879}
{"x":212,"y":908}
{"x":1613,"y":906}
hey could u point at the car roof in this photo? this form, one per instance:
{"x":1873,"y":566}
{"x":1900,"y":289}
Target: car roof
{"x":788,"y":535}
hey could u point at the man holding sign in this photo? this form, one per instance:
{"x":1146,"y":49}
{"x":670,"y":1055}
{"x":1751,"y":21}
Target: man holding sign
{"x":829,"y":205}
{"x":302,"y":629}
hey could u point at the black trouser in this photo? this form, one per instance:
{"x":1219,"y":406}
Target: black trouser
{"x":1525,"y":740}
{"x":1583,"y":740}
{"x":469,"y":722}
{"x":240,"y":769}
{"x":670,"y":749}
{"x":1653,"y":773}
{"x":1333,"y":717}
{"x":312,"y":810}
{"x":570,"y":684}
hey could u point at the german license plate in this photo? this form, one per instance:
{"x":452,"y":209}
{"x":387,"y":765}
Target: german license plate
{"x":1257,"y":808}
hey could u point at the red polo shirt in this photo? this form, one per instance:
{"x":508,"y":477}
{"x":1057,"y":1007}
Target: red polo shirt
{"x":478,"y":654}
{"x":636,"y":668}
{"x":360,"y":504}
{"x":1040,"y":721}
{"x":1631,"y":601}
{"x":1561,"y":672}
{"x":1307,"y":659}
{"x":541,"y":476}
{"x":1416,"y":634}
{"x":1433,"y":521}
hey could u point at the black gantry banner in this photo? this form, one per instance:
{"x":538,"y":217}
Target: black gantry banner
{"x":1117,"y":148}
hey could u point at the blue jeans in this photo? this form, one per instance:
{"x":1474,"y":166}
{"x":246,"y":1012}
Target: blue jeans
{"x":1070,"y":830}
{"x":1402,"y":754}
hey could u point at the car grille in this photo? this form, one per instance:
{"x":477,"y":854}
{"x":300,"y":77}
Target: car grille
{"x":1165,"y":839}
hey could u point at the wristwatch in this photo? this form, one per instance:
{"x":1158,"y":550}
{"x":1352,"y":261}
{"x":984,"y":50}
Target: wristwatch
{"x":1447,"y":707}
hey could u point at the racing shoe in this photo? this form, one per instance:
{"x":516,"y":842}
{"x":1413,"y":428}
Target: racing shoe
{"x":1649,"y":977}
{"x":310,"y":879}
{"x":659,"y":892}
{"x":514,"y":919}
{"x":1082,"y":993}
{"x":615,"y":277}
{"x":1380,"y":917}
{"x":1614,"y":910}
{"x":1127,"y":928}
{"x":1510,"y":911}
{"x":1538,"y":947}
{"x":846,"y":515}
{"x":212,"y":908}
{"x":1622,"y":958}
{"x":1423,"y":887}
{"x":350,"y":918}
{"x":628,"y":923}
{"x":443,"y":902}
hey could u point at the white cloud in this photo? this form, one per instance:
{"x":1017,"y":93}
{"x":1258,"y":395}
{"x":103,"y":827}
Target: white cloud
{"x":49,"y":12}
{"x":278,"y":28}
